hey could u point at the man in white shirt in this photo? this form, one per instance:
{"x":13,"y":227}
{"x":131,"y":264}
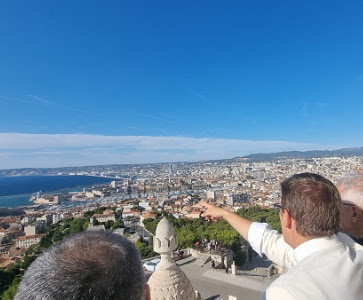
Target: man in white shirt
{"x":322,"y":263}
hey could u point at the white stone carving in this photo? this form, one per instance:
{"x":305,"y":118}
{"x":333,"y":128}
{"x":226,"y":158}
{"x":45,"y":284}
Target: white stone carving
{"x":168,"y":282}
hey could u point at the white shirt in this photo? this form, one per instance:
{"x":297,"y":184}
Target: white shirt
{"x":321,"y":268}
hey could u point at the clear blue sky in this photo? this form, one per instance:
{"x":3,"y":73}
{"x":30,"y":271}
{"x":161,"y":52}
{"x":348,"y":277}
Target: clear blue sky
{"x":176,"y":80}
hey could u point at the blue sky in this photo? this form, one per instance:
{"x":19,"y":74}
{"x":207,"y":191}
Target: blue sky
{"x":94,"y":82}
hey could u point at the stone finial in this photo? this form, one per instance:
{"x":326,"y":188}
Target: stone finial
{"x":168,"y":282}
{"x":164,"y":239}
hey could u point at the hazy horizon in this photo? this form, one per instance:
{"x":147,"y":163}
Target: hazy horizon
{"x":175,"y":161}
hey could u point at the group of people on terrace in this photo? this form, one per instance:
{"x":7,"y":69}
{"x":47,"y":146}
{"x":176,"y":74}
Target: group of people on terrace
{"x":209,"y":246}
{"x":321,"y":225}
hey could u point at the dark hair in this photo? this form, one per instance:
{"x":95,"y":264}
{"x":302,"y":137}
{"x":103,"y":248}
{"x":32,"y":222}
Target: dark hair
{"x":90,"y":265}
{"x":313,"y":202}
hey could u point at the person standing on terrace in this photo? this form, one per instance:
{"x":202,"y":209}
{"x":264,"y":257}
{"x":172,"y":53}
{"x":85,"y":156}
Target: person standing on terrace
{"x":322,"y":263}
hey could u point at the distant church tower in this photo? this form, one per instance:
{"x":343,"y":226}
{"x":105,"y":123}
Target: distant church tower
{"x":169,"y":282}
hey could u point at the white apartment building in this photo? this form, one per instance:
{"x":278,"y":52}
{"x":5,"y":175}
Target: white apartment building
{"x":27,"y":241}
{"x":57,"y":217}
{"x":211,"y":195}
{"x":145,"y":205}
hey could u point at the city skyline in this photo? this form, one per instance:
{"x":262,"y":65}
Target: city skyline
{"x":163,"y":82}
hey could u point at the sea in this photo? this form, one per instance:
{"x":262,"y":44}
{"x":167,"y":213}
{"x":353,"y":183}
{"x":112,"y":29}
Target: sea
{"x":16,"y":191}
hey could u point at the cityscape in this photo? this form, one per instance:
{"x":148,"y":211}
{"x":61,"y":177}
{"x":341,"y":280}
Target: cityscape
{"x":144,"y":192}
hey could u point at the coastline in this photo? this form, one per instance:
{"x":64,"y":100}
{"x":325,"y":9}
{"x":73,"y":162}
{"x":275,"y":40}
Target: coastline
{"x":55,"y":175}
{"x":17,"y":190}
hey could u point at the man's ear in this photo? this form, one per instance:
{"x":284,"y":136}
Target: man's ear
{"x":147,"y":296}
{"x":286,"y":220}
{"x":357,"y":214}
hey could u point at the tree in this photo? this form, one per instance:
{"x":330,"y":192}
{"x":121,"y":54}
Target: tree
{"x":145,"y":249}
{"x":118,"y":224}
{"x":85,"y":225}
{"x":27,"y":260}
{"x":129,"y":218}
{"x":151,"y":224}
{"x":9,"y":294}
{"x":88,"y":214}
{"x":108,"y":224}
{"x":7,"y":276}
{"x":57,"y":236}
{"x":77,"y":225}
{"x":100,"y":210}
{"x":240,"y":258}
{"x":118,"y":214}
{"x":186,"y":237}
{"x":258,"y":214}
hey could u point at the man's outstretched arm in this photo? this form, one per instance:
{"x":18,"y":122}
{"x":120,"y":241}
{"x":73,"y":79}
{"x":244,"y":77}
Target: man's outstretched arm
{"x":262,"y":238}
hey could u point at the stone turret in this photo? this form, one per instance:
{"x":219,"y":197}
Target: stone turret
{"x":168,"y":282}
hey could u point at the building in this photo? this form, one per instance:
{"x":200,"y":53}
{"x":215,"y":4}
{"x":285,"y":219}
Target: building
{"x":27,"y":219}
{"x":27,"y":241}
{"x":29,"y":230}
{"x":144,"y":205}
{"x":96,"y":227}
{"x":57,"y":217}
{"x":8,"y":222}
{"x":102,"y":218}
{"x":47,"y":199}
{"x":6,"y":262}
{"x":238,"y":198}
{"x":211,"y":195}
{"x":148,"y":215}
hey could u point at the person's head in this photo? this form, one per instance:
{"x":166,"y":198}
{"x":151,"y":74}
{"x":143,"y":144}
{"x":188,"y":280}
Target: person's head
{"x":312,"y":207}
{"x":350,"y":187}
{"x":89,"y":265}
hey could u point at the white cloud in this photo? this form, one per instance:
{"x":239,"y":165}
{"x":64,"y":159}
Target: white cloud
{"x":40,"y":100}
{"x":52,"y":150}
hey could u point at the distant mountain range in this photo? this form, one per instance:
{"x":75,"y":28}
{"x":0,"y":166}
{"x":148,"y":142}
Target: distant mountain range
{"x":251,"y":158}
{"x":305,"y":154}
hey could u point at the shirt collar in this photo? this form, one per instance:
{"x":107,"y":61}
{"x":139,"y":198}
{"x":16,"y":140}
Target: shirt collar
{"x":309,"y":247}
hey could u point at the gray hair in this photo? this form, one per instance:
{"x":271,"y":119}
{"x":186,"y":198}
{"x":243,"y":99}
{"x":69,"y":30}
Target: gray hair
{"x":350,"y":187}
{"x":90,"y":265}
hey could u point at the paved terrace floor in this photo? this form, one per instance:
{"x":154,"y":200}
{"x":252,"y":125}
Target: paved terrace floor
{"x":214,"y":285}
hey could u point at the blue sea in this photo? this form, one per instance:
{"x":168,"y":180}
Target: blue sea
{"x":16,"y":191}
